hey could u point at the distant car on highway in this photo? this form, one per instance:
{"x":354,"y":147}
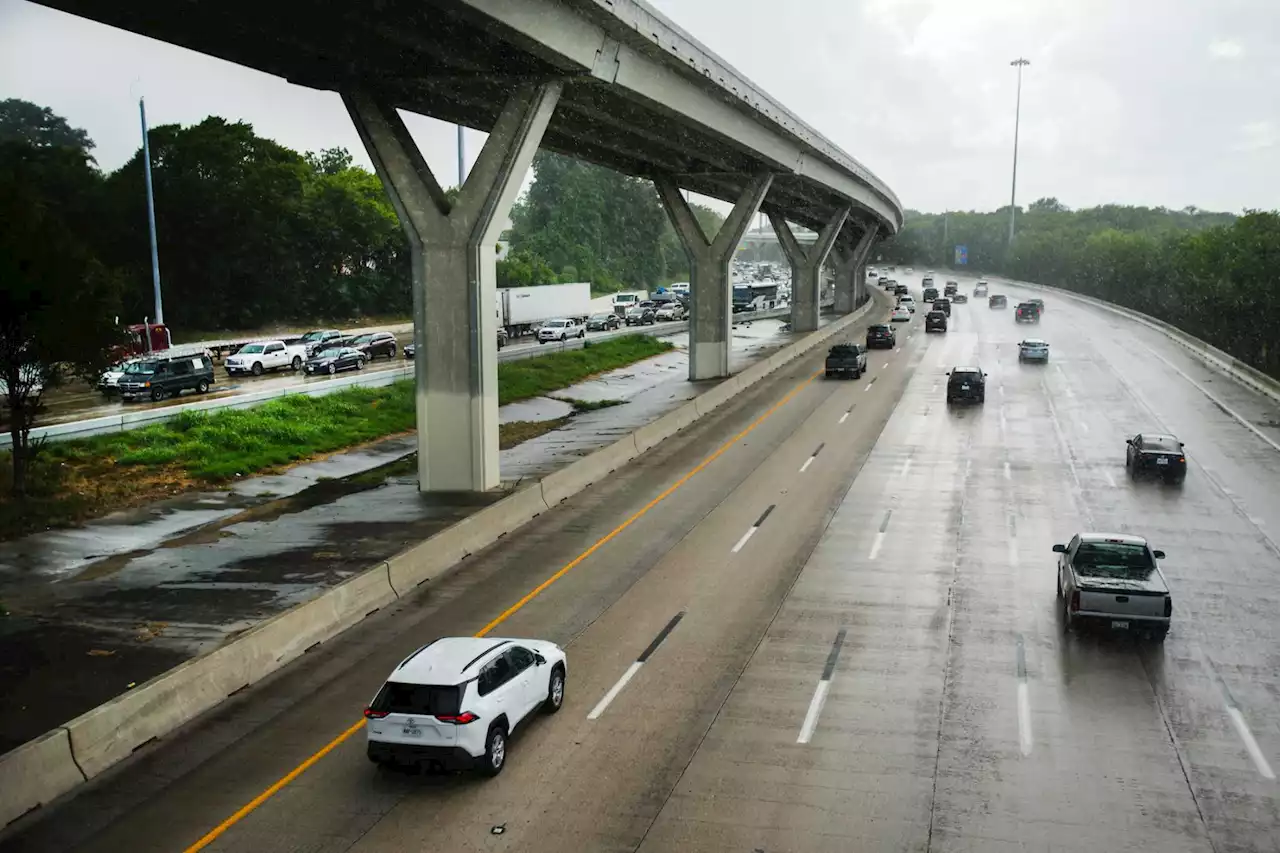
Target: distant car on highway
{"x":997,"y":301}
{"x":901,"y":290}
{"x":335,"y":359}
{"x":943,"y":304}
{"x":951,"y":288}
{"x":930,"y":294}
{"x":641,"y":316}
{"x":1039,"y":303}
{"x":374,"y":344}
{"x":959,"y":298}
{"x":560,"y":330}
{"x":1026,"y":312}
{"x":907,"y":302}
{"x":603,"y":322}
{"x":670,"y":311}
{"x":319,"y":339}
{"x":258,"y":358}
{"x":881,"y":336}
{"x":935,"y":321}
{"x":927,"y":282}
{"x":1112,"y":580}
{"x":1156,"y":454}
{"x":162,"y":376}
{"x":846,"y":360}
{"x":1033,"y":349}
{"x":901,"y":314}
{"x":967,"y":384}
{"x":980,"y":290}
{"x":453,"y":703}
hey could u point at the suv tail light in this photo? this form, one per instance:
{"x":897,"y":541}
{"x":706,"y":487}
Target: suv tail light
{"x":1075,"y":601}
{"x":370,"y":714}
{"x":1168,"y":607}
{"x":459,"y":719}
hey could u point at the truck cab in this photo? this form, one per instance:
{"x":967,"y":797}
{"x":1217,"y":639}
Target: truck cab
{"x":847,"y":360}
{"x":1112,"y":580}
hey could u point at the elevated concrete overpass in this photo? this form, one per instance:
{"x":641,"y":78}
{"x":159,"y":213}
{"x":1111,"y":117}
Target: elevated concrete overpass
{"x":612,"y":82}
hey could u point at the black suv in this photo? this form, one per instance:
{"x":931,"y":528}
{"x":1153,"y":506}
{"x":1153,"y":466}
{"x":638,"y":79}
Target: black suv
{"x":943,"y":305}
{"x":1027,"y":312}
{"x":374,"y":344}
{"x":997,"y":301}
{"x":160,"y":376}
{"x":881,"y":336}
{"x":966,"y":383}
{"x":930,"y":294}
{"x":935,"y":321}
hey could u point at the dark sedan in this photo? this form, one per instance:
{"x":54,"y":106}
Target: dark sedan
{"x":997,"y":301}
{"x":334,"y":359}
{"x":959,"y":298}
{"x":1156,"y":454}
{"x":881,"y":336}
{"x":375,"y":344}
{"x":603,"y":322}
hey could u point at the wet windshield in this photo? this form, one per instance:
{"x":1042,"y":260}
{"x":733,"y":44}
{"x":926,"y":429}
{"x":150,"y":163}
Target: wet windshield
{"x":330,"y":353}
{"x":1121,"y":560}
{"x":251,"y":348}
{"x":141,"y":367}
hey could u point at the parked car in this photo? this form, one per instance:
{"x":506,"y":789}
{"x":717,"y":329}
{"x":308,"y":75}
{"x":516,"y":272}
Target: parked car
{"x":670,"y":311}
{"x":335,"y":359}
{"x":560,"y":330}
{"x":1113,"y":580}
{"x":846,"y":360}
{"x":1033,"y":349}
{"x":639,"y":315}
{"x":374,"y":344}
{"x":1156,"y":454}
{"x":966,"y":383}
{"x":108,"y":384}
{"x":319,"y":339}
{"x":881,"y":336}
{"x":161,"y":376}
{"x":1026,"y":312}
{"x":603,"y":322}
{"x":258,"y":358}
{"x":935,"y":321}
{"x":454,"y":702}
{"x":997,"y":301}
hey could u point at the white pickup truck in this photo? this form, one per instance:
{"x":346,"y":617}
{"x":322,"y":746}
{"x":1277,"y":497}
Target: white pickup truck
{"x":1112,"y":580}
{"x":258,"y":358}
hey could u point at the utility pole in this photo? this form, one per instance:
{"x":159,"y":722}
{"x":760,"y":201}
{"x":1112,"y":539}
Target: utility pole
{"x":1020,"y":63}
{"x":151,"y":218}
{"x":462,"y":158}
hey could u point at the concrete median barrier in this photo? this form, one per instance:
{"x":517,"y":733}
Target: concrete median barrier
{"x":36,"y":773}
{"x":593,"y":468}
{"x":653,"y":434}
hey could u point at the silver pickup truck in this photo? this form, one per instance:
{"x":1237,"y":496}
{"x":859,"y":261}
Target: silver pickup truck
{"x":1112,"y":581}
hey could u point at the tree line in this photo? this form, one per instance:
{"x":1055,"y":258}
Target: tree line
{"x":1210,"y":274}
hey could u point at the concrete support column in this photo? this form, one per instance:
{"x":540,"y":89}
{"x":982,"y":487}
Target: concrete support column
{"x":851,"y":272}
{"x":806,"y":268}
{"x":710,"y":284}
{"x":454,"y":278}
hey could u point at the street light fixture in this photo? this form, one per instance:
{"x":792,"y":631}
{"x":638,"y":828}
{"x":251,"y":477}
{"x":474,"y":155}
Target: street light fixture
{"x":1017,"y":116}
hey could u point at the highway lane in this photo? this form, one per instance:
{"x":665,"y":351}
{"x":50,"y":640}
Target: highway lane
{"x":880,"y":666}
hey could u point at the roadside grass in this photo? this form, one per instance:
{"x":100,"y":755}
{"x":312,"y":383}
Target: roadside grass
{"x":71,"y":481}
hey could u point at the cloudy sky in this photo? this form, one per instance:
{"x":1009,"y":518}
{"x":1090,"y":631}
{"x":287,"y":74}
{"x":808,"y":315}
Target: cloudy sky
{"x":1158,"y":102}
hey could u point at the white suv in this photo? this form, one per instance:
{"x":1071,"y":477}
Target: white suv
{"x":453,"y":703}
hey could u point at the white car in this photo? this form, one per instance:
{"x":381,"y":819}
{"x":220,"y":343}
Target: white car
{"x":907,"y":302}
{"x":671,"y":311}
{"x":560,"y":330}
{"x":32,"y":376}
{"x":453,"y":703}
{"x":260,"y":357}
{"x":900,"y":315}
{"x":1033,"y":349}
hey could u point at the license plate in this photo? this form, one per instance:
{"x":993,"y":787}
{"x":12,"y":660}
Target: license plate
{"x":1119,"y":626}
{"x":1162,"y":461}
{"x":964,"y":387}
{"x":414,"y":731}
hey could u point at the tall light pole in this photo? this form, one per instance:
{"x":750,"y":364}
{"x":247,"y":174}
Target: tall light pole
{"x":151,"y":219}
{"x":1017,"y":117}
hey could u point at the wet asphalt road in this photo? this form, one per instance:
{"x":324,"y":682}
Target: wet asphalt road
{"x":879,"y":666}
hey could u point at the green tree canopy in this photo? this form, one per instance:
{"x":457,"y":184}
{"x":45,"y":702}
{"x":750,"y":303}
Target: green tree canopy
{"x":39,"y":127}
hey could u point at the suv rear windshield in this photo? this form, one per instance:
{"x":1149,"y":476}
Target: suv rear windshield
{"x":424,"y":699}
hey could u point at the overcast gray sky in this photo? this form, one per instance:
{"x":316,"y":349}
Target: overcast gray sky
{"x":1159,"y":102}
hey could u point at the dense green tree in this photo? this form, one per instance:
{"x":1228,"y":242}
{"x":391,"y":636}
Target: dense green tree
{"x":39,"y":127}
{"x":58,"y":303}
